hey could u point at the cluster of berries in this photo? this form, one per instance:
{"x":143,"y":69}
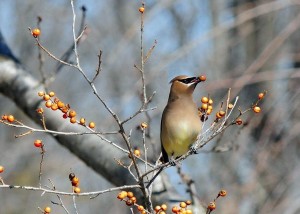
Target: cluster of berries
{"x":75,"y":182}
{"x":183,"y":208}
{"x":54,"y":103}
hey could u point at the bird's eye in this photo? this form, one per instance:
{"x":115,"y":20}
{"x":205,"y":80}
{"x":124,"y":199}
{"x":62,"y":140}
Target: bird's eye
{"x":187,"y":80}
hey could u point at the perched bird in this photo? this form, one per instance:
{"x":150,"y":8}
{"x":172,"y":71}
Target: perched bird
{"x":180,"y":123}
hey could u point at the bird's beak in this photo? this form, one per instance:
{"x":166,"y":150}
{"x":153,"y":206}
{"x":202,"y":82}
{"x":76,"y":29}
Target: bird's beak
{"x":196,"y":80}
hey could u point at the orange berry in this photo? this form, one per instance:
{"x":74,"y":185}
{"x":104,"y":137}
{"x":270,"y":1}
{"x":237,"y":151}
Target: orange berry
{"x":261,"y":96}
{"x":162,"y":212}
{"x":189,"y":212}
{"x":182,"y":204}
{"x":204,"y":100}
{"x":204,"y":106}
{"x":82,"y":121}
{"x":10,"y":118}
{"x":4,"y":117}
{"x":137,"y":152}
{"x":211,"y":205}
{"x":218,"y":115}
{"x":144,"y":125}
{"x":72,"y":113}
{"x":222,"y":113}
{"x":164,"y":207}
{"x":256,"y":109}
{"x":41,"y":93}
{"x":202,"y":78}
{"x":130,"y":194}
{"x":38,"y":143}
{"x":175,"y":209}
{"x":48,"y":104}
{"x":1,"y":169}
{"x":230,"y":106}
{"x":77,"y":190}
{"x":157,"y":208}
{"x":60,"y":104}
{"x":122,"y":195}
{"x":140,"y":208}
{"x":47,"y":210}
{"x":51,"y":94}
{"x":54,"y":107}
{"x":133,"y":199}
{"x":210,"y":101}
{"x":92,"y":125}
{"x":73,"y":120}
{"x":209,"y":111}
{"x":141,"y":9}
{"x":239,"y":121}
{"x":75,"y":181}
{"x":188,"y":202}
{"x":46,"y":97}
{"x":36,"y":32}
{"x":64,"y":109}
{"x":222,"y":193}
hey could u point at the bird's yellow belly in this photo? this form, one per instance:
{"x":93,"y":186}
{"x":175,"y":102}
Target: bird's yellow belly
{"x":180,"y":139}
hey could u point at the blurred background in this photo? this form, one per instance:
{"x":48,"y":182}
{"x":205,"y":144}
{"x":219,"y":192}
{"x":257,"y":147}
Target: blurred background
{"x":247,"y":45}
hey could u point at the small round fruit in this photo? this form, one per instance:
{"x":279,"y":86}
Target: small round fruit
{"x":137,"y":152}
{"x":82,"y":121}
{"x":140,"y":208}
{"x":46,"y":97}
{"x":36,"y":32}
{"x":202,"y":78}
{"x":129,"y":202}
{"x":175,"y":209}
{"x":204,"y":100}
{"x":47,"y":210}
{"x":73,"y":120}
{"x":122,"y":195}
{"x":188,"y":202}
{"x":48,"y":104}
{"x":189,"y":211}
{"x":72,"y":113}
{"x":144,"y":125}
{"x":222,"y":113}
{"x":130,"y":194}
{"x":164,"y":207}
{"x":133,"y":199}
{"x":141,"y":9}
{"x":210,"y":101}
{"x":77,"y":190}
{"x":40,"y":110}
{"x":162,"y":212}
{"x":218,"y":115}
{"x":209,"y":111}
{"x":182,"y":204}
{"x":64,"y":109}
{"x":60,"y":104}
{"x":10,"y":118}
{"x":211,"y":205}
{"x":41,"y":93}
{"x":38,"y":143}
{"x":4,"y":117}
{"x":256,"y":109}
{"x":261,"y":96}
{"x":230,"y":106}
{"x":1,"y":169}
{"x":157,"y":208}
{"x":75,"y":182}
{"x":54,"y":107}
{"x":92,"y":125}
{"x":51,"y":94}
{"x":222,"y":193}
{"x":204,"y":106}
{"x":239,"y":121}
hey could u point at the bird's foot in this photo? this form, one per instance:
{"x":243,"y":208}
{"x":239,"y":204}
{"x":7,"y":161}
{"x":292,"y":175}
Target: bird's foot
{"x":193,"y":149}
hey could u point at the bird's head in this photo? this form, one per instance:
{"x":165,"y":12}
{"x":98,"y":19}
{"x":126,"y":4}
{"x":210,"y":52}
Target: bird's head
{"x":184,"y":85}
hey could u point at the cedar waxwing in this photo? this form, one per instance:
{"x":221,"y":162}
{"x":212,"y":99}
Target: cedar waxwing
{"x":180,"y":123}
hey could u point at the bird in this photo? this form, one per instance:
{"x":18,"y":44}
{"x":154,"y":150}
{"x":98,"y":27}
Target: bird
{"x":180,"y":122}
